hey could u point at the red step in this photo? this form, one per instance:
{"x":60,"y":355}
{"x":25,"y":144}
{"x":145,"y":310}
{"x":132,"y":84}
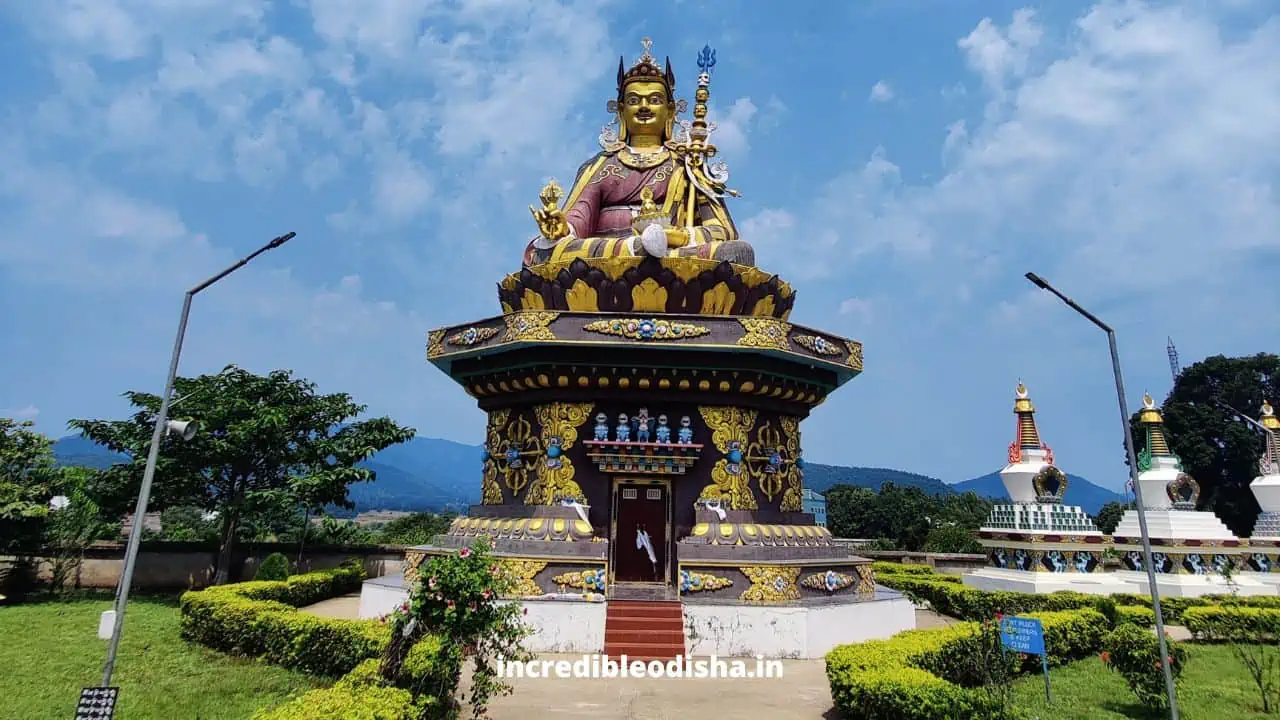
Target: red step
{"x":644,"y":630}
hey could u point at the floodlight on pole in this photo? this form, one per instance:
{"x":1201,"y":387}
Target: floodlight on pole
{"x":161,"y":427}
{"x":185,"y":429}
{"x":1137,"y":487}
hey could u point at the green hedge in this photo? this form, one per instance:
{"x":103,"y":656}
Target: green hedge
{"x":967,"y":603}
{"x":1233,"y":623}
{"x":359,"y":696}
{"x":1135,"y":615}
{"x":261,"y":619}
{"x":902,"y":678}
{"x":893,"y":568}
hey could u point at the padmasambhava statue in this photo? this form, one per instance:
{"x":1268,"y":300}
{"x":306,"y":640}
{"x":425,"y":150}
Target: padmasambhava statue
{"x":650,"y":191}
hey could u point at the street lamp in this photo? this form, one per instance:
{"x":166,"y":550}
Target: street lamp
{"x":185,"y":430}
{"x":1137,"y":487}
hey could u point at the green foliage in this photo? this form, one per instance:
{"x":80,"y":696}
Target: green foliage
{"x":27,"y":482}
{"x":910,"y":675}
{"x":1109,"y":515}
{"x":1135,"y":653}
{"x":1143,"y":617}
{"x":260,"y":619}
{"x":267,"y":445}
{"x":186,"y":523}
{"x":358,"y":696}
{"x":961,"y":601}
{"x":1219,"y":452}
{"x":905,"y":515}
{"x":333,"y":531}
{"x":456,"y":602}
{"x":1233,"y":623}
{"x":416,"y":529}
{"x":892,"y":568}
{"x":274,"y":567}
{"x":71,"y":529}
{"x":952,"y":539}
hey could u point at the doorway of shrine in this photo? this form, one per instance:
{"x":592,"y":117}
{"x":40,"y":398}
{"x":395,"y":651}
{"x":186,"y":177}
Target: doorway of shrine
{"x":641,"y":534}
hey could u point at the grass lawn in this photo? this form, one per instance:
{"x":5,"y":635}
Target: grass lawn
{"x":1215,"y":686}
{"x":48,"y":651}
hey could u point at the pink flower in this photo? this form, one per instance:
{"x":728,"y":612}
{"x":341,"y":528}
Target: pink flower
{"x":487,"y":594}
{"x":473,"y":604}
{"x":493,"y":570}
{"x":464,"y":553}
{"x":431,"y":583}
{"x":449,"y":604}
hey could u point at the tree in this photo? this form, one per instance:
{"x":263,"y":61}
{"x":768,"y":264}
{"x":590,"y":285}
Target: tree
{"x":847,"y":507}
{"x":1109,"y":516}
{"x":952,"y":539}
{"x":265,"y":443}
{"x":416,"y":529}
{"x":1219,"y":452}
{"x":28,"y":479}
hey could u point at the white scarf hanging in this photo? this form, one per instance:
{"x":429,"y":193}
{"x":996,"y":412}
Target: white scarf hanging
{"x":642,"y":541}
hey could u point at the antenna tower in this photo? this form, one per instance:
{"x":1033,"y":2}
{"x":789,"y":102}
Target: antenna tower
{"x":1173,"y":361}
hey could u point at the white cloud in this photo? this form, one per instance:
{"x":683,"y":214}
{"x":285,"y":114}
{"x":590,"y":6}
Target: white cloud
{"x":730,"y":136}
{"x":28,"y":412}
{"x":1000,"y":54}
{"x":881,"y":92}
{"x":860,"y":309}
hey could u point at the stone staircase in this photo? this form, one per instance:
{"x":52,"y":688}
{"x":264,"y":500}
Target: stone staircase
{"x":644,"y":630}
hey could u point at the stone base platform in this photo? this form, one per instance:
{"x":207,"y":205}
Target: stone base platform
{"x":803,"y":629}
{"x":1099,"y":583}
{"x":1171,"y":585}
{"x":807,"y":629}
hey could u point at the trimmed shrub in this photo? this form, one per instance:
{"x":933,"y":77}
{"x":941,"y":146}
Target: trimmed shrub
{"x":1233,"y":623}
{"x":274,"y":567}
{"x":893,"y":568}
{"x":967,"y":603}
{"x":1135,"y":653}
{"x":260,"y":619}
{"x":906,"y":677}
{"x":1143,"y":617}
{"x":359,"y":696}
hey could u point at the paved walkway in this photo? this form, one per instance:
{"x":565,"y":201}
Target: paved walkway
{"x":801,"y":693}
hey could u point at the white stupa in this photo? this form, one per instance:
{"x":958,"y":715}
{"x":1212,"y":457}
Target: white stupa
{"x":1189,"y":547}
{"x":1264,"y":546}
{"x":1036,"y":543}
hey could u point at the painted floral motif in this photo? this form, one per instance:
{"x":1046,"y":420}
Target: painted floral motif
{"x":830,"y":581}
{"x":583,"y":579}
{"x":472,"y":336}
{"x":646,"y":329}
{"x":691,"y":582}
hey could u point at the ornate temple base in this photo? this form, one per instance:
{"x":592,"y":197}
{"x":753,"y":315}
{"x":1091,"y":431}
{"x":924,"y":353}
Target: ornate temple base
{"x":1097,"y":583}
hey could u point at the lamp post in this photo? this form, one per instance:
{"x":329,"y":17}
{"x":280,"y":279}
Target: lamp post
{"x":163,"y":425}
{"x":1137,"y":488}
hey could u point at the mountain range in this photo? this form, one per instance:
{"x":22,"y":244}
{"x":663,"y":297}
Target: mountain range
{"x":433,"y":474}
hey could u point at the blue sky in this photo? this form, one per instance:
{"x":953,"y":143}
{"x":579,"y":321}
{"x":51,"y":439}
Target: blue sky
{"x":902,"y":162}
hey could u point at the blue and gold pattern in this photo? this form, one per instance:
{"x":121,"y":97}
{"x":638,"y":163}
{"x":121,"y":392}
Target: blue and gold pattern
{"x":692,"y":582}
{"x":830,"y":581}
{"x":592,"y":580}
{"x":646,"y":329}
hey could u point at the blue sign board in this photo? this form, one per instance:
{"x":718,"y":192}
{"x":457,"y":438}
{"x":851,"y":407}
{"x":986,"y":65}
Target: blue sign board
{"x":1024,"y":635}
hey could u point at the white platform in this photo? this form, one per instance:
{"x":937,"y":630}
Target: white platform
{"x":793,"y":631}
{"x":565,"y":624}
{"x":1171,"y":585}
{"x":571,"y":625}
{"x":1175,"y":525}
{"x":996,"y":579}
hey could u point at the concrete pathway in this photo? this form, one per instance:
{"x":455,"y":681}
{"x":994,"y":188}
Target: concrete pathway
{"x":346,"y":607}
{"x":801,"y":693}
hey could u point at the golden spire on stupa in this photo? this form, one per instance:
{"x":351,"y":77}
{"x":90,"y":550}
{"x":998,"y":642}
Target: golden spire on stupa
{"x":1157,"y":443}
{"x":1269,"y":419}
{"x":1026,"y":436}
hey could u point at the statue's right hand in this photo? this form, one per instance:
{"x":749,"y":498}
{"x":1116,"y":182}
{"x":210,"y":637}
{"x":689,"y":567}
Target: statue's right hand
{"x":551,"y":222}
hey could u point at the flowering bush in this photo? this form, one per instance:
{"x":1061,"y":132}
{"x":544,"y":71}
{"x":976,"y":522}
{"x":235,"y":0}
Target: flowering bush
{"x":1134,"y":652}
{"x":456,"y":603}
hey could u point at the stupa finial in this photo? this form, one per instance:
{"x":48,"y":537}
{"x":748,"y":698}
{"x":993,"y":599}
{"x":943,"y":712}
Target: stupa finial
{"x":1269,"y":419}
{"x":1026,"y":436}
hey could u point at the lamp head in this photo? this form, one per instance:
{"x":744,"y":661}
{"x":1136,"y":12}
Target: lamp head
{"x":1037,"y":281}
{"x":185,"y":429}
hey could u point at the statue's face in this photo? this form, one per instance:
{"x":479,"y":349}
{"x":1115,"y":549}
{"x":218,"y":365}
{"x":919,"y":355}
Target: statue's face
{"x":645,"y":108}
